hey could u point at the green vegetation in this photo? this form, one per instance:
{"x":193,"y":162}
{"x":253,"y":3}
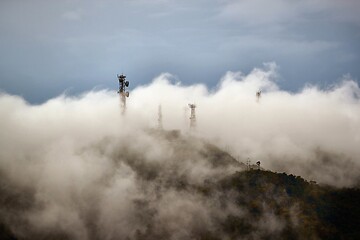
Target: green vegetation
{"x":307,"y":210}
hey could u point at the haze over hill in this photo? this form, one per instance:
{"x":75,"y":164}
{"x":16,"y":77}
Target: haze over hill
{"x":191,"y":190}
{"x":74,"y":168}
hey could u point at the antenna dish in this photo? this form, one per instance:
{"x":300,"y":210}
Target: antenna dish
{"x":127,"y":83}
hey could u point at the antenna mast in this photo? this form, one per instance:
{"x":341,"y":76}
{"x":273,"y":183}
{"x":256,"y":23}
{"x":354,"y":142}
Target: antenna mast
{"x":123,"y":84}
{"x":192,"y":116}
{"x":258,"y":95}
{"x":160,"y":125}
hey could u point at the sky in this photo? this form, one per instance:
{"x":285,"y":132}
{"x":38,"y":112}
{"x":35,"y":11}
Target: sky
{"x":73,"y":46}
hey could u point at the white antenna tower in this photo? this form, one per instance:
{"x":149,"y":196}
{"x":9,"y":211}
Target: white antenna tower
{"x":160,"y":125}
{"x":123,"y":94}
{"x":258,"y":95}
{"x":192,"y":116}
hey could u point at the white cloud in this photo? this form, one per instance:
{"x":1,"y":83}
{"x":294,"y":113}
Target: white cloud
{"x":83,"y":161}
{"x":282,"y":126}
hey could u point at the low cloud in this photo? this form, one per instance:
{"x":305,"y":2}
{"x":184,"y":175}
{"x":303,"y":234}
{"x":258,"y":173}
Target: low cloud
{"x":79,"y":169}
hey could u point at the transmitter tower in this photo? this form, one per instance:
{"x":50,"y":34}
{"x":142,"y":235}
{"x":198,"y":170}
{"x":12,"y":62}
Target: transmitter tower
{"x":123,"y":84}
{"x":192,"y":115}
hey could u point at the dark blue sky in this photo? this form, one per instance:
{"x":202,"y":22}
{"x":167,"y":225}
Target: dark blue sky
{"x":48,"y":47}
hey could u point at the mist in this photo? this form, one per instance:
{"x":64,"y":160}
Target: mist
{"x":314,"y":133}
{"x":78,"y":169}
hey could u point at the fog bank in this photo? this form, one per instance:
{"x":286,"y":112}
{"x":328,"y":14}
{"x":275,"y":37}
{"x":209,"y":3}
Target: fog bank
{"x":83,"y":171}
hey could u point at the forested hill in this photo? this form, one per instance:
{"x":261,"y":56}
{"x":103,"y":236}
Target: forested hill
{"x":307,"y":210}
{"x":189,"y":190}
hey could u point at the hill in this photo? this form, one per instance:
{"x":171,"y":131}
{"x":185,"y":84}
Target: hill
{"x":307,"y":210}
{"x":190,"y":190}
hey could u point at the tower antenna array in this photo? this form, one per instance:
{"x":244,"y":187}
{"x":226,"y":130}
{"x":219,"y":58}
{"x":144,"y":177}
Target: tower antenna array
{"x":192,"y":115}
{"x":123,"y":84}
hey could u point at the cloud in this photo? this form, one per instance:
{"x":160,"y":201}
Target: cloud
{"x":282,"y":126}
{"x":81,"y":170}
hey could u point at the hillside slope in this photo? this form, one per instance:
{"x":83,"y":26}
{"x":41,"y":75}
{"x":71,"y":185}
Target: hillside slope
{"x":189,"y":190}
